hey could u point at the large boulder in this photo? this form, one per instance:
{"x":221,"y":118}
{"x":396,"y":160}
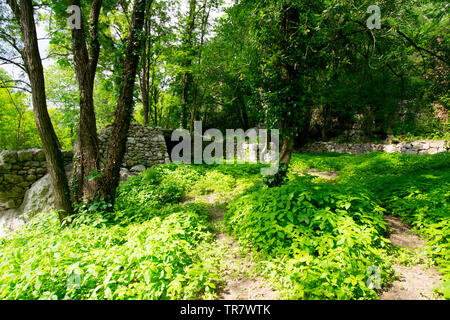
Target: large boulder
{"x":38,"y":198}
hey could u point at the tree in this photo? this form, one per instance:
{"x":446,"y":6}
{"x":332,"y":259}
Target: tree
{"x":23,"y":12}
{"x":17,"y":125}
{"x":187,"y":62}
{"x":117,"y":142}
{"x":206,"y":10}
{"x":87,"y":149}
{"x":157,"y":36}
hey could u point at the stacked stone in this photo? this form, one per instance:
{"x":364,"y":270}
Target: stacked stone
{"x":424,"y":147}
{"x":18,"y":171}
{"x":417,"y":147}
{"x":145,"y":147}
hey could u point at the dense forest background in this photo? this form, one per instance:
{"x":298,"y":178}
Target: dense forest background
{"x":322,"y":227}
{"x":316,"y":70}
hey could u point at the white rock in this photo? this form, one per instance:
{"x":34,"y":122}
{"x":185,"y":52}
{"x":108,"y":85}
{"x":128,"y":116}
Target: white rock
{"x":138,"y":168}
{"x":124,"y":174}
{"x":390,"y":148}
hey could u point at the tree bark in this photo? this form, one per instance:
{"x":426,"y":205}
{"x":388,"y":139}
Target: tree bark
{"x":117,"y":142}
{"x":187,"y":76}
{"x":53,"y":155}
{"x":287,"y":147}
{"x":87,"y":150}
{"x":205,"y":18}
{"x":289,"y":76}
{"x":144,"y":79}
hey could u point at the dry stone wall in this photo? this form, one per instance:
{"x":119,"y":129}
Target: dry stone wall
{"x":20,"y":169}
{"x":145,"y":146}
{"x":416,"y":147}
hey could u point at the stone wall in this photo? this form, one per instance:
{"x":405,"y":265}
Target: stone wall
{"x":417,"y":147}
{"x":145,"y":146}
{"x":18,"y":171}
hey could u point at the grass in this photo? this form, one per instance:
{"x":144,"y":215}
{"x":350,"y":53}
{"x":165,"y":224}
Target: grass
{"x":313,"y":239}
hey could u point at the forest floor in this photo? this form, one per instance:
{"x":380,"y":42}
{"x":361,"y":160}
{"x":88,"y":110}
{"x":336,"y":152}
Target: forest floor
{"x":198,"y":210}
{"x":236,"y":269}
{"x":414,"y":282}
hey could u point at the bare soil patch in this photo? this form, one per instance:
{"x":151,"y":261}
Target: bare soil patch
{"x":238,"y":284}
{"x":331,"y":175}
{"x":415,"y":282}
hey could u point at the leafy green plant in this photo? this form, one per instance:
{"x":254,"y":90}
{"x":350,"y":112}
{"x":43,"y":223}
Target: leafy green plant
{"x":319,"y":239}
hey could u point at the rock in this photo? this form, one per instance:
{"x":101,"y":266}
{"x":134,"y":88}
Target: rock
{"x":124,"y":174}
{"x":25,"y":184}
{"x":67,"y":154}
{"x":425,"y":146}
{"x":38,"y":198}
{"x":25,"y":155}
{"x":33,"y":164}
{"x":8,"y":156}
{"x":138,"y":168}
{"x":38,"y":155}
{"x":31,"y":178}
{"x":41,"y":171}
{"x":14,"y":179}
{"x":5,"y":167}
{"x":416,"y":147}
{"x":390,"y":148}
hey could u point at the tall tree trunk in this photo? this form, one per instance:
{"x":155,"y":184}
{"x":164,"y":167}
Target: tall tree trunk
{"x":289,"y":76}
{"x":205,"y":18}
{"x":287,"y":147}
{"x":87,"y":150}
{"x":121,"y":125}
{"x":187,"y":76}
{"x":187,"y":80}
{"x":144,"y":77}
{"x":54,"y":158}
{"x":155,"y":97}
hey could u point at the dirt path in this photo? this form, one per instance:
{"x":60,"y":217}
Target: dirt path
{"x":415,"y":282}
{"x":329,"y":175}
{"x":236,"y":269}
{"x":239,"y":285}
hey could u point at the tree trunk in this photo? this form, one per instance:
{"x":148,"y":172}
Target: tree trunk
{"x":55,"y":161}
{"x":187,"y":76}
{"x":87,"y":150}
{"x":144,"y":78}
{"x":287,"y":147}
{"x":289,"y":76}
{"x":205,"y":18}
{"x":187,"y":79}
{"x":124,"y":110}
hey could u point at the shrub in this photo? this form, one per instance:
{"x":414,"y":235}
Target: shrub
{"x":319,"y":238}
